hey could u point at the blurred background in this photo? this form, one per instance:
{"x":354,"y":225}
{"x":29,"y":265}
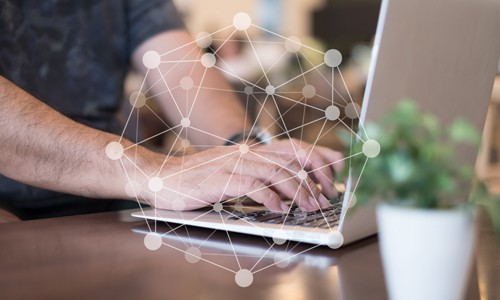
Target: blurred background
{"x":346,"y":25}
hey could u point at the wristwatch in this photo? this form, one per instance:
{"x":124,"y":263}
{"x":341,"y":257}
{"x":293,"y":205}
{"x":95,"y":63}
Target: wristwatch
{"x":256,"y":135}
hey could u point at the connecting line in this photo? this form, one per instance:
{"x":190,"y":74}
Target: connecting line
{"x":220,"y":90}
{"x":169,"y":154}
{"x":222,"y":254}
{"x":284,"y":37}
{"x":135,"y":194}
{"x":174,"y":232}
{"x":201,"y":164}
{"x":201,"y":258}
{"x":300,"y":75}
{"x":275,"y":163}
{"x":208,"y":237}
{"x":352,"y":101}
{"x":230,"y":242}
{"x":329,"y":100}
{"x":197,"y":93}
{"x":205,"y":179}
{"x":296,"y":254}
{"x":300,"y":67}
{"x":152,"y":137}
{"x":244,"y":81}
{"x":132,"y":109}
{"x":182,"y":225}
{"x":135,"y":165}
{"x":333,"y":86}
{"x":271,"y":67}
{"x":170,"y":92}
{"x":210,"y":134}
{"x":326,"y":80}
{"x":262,"y":257}
{"x":338,"y":161}
{"x":352,"y":131}
{"x":136,"y":150}
{"x":172,"y":68}
{"x":290,"y":208}
{"x":284,"y":124}
{"x":353,"y":191}
{"x":298,"y":102}
{"x":193,"y":42}
{"x":257,"y":56}
{"x":328,"y":131}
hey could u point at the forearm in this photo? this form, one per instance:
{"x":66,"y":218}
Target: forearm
{"x":43,"y":148}
{"x":211,"y":106}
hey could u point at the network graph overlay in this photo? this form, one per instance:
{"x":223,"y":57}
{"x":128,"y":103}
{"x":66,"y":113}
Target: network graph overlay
{"x":315,"y":84}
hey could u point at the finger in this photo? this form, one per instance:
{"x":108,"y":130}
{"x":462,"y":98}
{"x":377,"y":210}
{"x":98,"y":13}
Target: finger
{"x":282,"y":181}
{"x":291,"y":164}
{"x":334,"y":158}
{"x":323,"y":173}
{"x":318,"y":200}
{"x":255,"y":189}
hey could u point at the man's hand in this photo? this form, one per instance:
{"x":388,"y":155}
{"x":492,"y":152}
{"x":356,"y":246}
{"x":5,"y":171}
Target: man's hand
{"x":223,"y":173}
{"x":321,"y":163}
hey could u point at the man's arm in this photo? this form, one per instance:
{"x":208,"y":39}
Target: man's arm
{"x":210,"y":105}
{"x":43,"y":148}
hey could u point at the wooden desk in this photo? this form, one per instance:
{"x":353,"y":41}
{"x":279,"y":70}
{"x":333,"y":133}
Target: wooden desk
{"x":102,"y":256}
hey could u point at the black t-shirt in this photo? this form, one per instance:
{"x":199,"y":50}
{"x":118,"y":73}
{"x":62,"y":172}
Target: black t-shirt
{"x":74,"y":55}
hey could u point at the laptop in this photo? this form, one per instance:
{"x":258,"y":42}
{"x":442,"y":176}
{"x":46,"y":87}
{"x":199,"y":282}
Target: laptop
{"x":442,"y":53}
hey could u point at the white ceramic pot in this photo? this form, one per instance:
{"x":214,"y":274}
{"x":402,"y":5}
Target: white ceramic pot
{"x":426,"y":254}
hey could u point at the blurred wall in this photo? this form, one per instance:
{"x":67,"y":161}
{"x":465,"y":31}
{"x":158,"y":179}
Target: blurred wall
{"x":294,"y":16}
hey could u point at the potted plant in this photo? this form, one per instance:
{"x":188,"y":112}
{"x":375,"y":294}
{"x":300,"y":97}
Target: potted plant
{"x":408,"y":162}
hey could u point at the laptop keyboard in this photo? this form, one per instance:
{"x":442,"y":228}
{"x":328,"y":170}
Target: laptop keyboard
{"x":324,"y":218}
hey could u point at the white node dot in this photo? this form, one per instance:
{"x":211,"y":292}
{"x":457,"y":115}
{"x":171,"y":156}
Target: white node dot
{"x":204,"y":39}
{"x":178,"y":205}
{"x":185,"y":143}
{"x":185,"y":122}
{"x":352,"y":110}
{"x":308,"y":91}
{"x":353,"y":201}
{"x":302,"y":175}
{"x":186,"y":83}
{"x":152,"y":241}
{"x":243,"y":278}
{"x":293,"y":44}
{"x":279,"y":237}
{"x":332,"y":112}
{"x":114,"y":151}
{"x":371,"y":148}
{"x":282,"y":261}
{"x":333,"y":58}
{"x":218,"y":207}
{"x":208,"y":60}
{"x":248,"y":90}
{"x":242,"y":21}
{"x":133,"y":188}
{"x":137,"y":99}
{"x":335,"y":239}
{"x":192,"y":255}
{"x":244,"y":148}
{"x":270,"y":90}
{"x":155,"y":184}
{"x":151,"y":59}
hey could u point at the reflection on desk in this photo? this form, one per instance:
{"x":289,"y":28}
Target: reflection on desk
{"x":102,"y":256}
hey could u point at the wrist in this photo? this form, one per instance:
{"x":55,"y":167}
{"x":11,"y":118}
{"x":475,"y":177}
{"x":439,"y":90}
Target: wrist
{"x":253,"y":136}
